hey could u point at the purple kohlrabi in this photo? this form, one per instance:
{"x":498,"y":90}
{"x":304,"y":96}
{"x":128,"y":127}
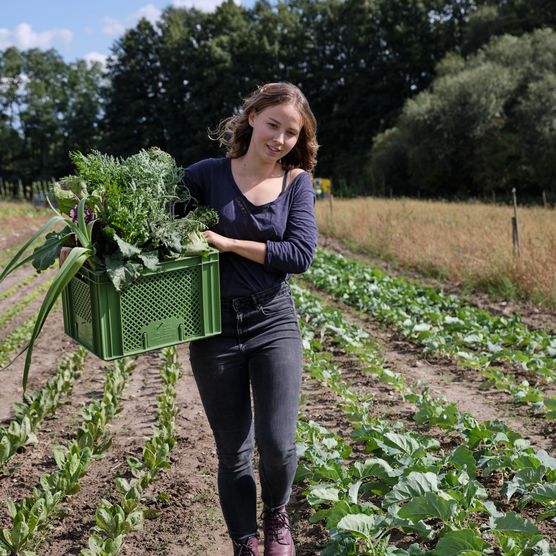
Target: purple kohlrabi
{"x":89,"y":214}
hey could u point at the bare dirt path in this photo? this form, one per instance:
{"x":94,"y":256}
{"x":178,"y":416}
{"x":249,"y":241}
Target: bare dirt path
{"x":191,"y":522}
{"x":16,"y":228}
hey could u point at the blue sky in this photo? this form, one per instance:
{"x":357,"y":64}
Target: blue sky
{"x":80,"y":29}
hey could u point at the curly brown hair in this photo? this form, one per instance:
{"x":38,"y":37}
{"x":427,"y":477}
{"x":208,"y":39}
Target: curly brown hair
{"x":235,"y":132}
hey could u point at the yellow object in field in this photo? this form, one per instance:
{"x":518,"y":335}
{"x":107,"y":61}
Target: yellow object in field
{"x":326,"y":185}
{"x":322,"y":186}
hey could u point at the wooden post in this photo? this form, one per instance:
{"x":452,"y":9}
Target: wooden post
{"x":544,"y":199}
{"x":515,"y":232}
{"x":331,"y":207}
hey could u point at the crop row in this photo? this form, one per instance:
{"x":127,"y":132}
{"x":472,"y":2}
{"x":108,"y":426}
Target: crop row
{"x":16,"y":308}
{"x":115,"y":520}
{"x":495,"y":446}
{"x":20,"y":284}
{"x":31,"y":515}
{"x":7,"y":254}
{"x":16,"y":339}
{"x":24,"y":209}
{"x":412,"y":483}
{"x":442,"y":324}
{"x":30,"y":412}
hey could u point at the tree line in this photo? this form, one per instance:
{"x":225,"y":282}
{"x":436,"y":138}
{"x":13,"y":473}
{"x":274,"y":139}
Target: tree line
{"x":440,"y":97}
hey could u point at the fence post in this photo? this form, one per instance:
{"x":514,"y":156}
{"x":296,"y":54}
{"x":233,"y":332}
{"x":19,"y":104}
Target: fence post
{"x":544,"y":199}
{"x":20,"y":191}
{"x":515,"y":232}
{"x":331,"y":211}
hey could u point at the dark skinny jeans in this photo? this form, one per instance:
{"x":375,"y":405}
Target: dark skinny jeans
{"x":260,"y":350}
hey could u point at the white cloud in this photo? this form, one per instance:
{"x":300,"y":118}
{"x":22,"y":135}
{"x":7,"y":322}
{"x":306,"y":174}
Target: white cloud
{"x":149,"y":12}
{"x":96,"y":57}
{"x":23,"y":37}
{"x":114,"y":27}
{"x":203,"y":5}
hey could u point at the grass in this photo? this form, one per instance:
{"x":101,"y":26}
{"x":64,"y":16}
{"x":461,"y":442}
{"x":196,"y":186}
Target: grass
{"x":22,"y":208}
{"x":469,"y":243}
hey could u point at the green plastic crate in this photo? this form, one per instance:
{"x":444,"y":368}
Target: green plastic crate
{"x":176,"y":304}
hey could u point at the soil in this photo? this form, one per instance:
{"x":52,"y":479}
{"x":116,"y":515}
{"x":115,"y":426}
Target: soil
{"x":20,"y":229}
{"x":186,"y":518}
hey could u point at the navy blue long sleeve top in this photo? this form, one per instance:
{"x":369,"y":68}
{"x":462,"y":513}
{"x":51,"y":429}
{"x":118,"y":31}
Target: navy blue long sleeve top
{"x":286,"y":225}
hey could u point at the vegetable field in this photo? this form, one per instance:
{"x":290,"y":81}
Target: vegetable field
{"x":426,"y":428}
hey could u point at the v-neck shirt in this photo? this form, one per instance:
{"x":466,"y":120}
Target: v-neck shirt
{"x":286,"y":225}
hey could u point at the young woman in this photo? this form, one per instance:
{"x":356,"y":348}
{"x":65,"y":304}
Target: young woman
{"x":263,"y":192}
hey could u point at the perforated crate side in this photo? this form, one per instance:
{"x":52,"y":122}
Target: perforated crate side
{"x":179,"y":303}
{"x":77,"y":311}
{"x":155,"y":307}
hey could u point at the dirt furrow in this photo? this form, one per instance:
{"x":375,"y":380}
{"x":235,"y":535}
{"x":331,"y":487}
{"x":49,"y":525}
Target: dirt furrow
{"x":446,"y":379}
{"x":128,"y":430}
{"x":51,"y":345}
{"x":191,"y":521}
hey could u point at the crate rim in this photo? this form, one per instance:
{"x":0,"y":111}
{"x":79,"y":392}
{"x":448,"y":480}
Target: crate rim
{"x":101,"y":276}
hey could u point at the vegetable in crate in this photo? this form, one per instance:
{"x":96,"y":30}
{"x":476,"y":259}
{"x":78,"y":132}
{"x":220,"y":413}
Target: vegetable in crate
{"x":117,"y":215}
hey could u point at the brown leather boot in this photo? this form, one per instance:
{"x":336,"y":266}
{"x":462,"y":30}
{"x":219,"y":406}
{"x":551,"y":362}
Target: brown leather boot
{"x":277,"y":533}
{"x":247,"y":547}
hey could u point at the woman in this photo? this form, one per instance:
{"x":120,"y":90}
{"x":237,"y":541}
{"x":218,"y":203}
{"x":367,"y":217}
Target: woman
{"x":263,"y":193}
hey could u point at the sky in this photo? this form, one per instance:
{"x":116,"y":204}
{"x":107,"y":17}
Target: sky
{"x":80,"y":29}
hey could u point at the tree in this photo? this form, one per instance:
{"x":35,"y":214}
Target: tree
{"x":133,"y":110}
{"x":486,"y":124}
{"x":12,"y":80}
{"x":47,"y":108}
{"x":81,"y":126}
{"x":498,"y":17}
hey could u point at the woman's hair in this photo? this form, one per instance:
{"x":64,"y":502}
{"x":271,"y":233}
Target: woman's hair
{"x":235,"y":132}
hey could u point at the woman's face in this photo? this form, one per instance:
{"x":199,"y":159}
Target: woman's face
{"x":276,"y":130}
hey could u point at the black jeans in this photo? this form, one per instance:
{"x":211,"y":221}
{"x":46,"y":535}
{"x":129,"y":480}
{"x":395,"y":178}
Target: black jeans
{"x":260,"y":350}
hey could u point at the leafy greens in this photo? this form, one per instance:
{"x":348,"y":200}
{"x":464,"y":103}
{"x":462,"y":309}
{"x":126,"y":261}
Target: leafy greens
{"x":130,"y":201}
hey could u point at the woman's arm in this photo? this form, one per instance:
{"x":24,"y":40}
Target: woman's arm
{"x":295,"y":252}
{"x":252,"y":250}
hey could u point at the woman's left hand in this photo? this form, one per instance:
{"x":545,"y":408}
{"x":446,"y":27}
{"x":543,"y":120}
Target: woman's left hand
{"x":221,"y":243}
